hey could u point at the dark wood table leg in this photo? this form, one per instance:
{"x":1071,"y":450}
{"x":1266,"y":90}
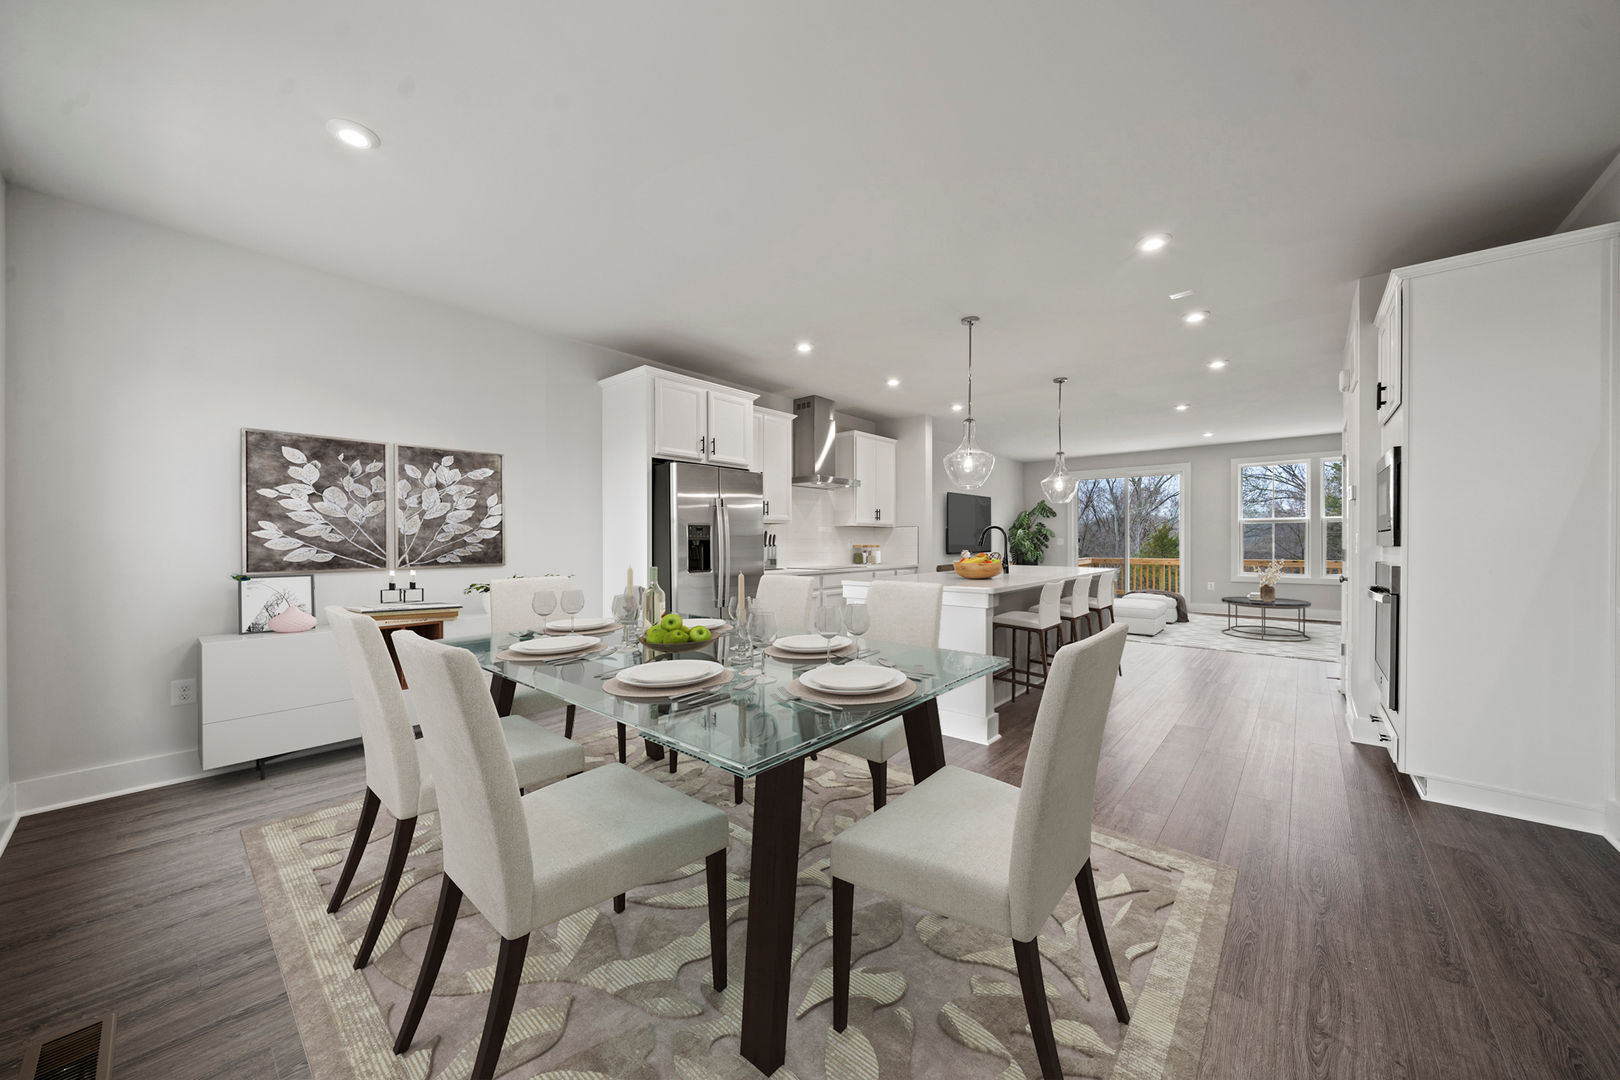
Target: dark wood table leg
{"x":772,"y":889}
{"x":502,"y":690}
{"x":654,"y":751}
{"x":924,"y":741}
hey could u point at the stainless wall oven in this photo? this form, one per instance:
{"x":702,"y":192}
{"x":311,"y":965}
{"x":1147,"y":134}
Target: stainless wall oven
{"x":1388,"y":506}
{"x":1386,"y":598}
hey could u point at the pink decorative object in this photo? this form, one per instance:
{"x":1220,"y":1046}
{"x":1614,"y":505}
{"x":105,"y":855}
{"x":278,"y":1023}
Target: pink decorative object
{"x":294,"y":620}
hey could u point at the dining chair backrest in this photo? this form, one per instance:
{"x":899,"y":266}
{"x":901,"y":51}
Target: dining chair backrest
{"x":905,"y":612}
{"x":1052,"y":829}
{"x":481,"y":824}
{"x":1104,"y":596}
{"x":511,"y":602}
{"x":393,"y":772}
{"x":1048,"y":609}
{"x":788,"y":597}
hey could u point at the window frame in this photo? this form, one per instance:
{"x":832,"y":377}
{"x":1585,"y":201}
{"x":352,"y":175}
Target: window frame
{"x":1183,"y":471}
{"x":1314,"y":520}
{"x":1327,"y":519}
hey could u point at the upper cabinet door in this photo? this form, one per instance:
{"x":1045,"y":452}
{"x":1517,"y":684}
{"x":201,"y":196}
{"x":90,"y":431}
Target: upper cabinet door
{"x":680,"y":421}
{"x":773,"y":456}
{"x":877,"y":475}
{"x":731,"y":429}
{"x":1391,"y":357}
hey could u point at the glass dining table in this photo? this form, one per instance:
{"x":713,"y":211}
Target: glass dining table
{"x":753,"y":727}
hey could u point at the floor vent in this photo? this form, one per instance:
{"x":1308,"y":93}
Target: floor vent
{"x":84,"y":1053}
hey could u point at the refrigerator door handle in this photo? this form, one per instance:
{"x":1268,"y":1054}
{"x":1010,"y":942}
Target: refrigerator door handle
{"x":722,"y":553}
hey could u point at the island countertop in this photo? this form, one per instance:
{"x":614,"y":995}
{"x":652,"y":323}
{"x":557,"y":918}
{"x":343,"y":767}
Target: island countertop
{"x":1019,"y":577}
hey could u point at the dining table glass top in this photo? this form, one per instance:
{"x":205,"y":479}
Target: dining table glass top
{"x":751,"y":724}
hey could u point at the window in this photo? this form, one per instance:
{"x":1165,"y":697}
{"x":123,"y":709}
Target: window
{"x":1290,"y":510}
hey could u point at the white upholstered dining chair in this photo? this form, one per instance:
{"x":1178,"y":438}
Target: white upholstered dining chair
{"x":789,"y":598}
{"x":527,"y":861}
{"x":906,"y":613}
{"x":969,"y":847}
{"x":397,"y":777}
{"x":511,"y":611}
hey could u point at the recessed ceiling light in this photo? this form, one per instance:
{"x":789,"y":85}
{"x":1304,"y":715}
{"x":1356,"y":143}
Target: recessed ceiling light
{"x":1183,"y":407}
{"x":1209,"y":434}
{"x":1217,"y":363}
{"x":1182,"y":295}
{"x":1193,"y":318}
{"x":893,"y":383}
{"x":1153,"y":242}
{"x":956,"y":406}
{"x":804,"y":346}
{"x":352,"y":134}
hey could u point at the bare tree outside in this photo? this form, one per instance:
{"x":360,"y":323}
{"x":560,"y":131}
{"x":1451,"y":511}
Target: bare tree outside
{"x":1134,"y":517}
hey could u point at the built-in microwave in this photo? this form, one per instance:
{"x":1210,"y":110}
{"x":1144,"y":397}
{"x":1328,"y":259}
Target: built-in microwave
{"x":1388,"y":506}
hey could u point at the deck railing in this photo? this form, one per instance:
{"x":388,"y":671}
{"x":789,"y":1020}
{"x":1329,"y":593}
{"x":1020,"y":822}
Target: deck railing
{"x":1166,"y":573}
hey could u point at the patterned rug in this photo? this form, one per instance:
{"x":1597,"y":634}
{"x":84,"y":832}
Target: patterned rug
{"x":629,"y":996}
{"x":1205,"y":632}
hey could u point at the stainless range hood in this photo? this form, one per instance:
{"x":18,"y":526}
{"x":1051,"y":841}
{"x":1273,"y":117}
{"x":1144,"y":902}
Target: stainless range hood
{"x":814,"y":425}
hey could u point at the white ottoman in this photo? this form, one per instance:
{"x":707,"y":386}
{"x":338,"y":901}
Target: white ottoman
{"x":1145,"y":613}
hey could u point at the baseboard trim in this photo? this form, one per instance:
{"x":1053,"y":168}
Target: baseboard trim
{"x":43,"y":793}
{"x":1517,"y":804}
{"x":8,"y":815}
{"x":1611,"y":813}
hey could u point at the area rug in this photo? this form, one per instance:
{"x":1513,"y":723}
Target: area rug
{"x":1205,"y":632}
{"x":629,"y":995}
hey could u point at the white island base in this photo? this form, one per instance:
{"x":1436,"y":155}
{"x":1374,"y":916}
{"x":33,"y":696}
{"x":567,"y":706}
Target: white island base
{"x":970,"y":607}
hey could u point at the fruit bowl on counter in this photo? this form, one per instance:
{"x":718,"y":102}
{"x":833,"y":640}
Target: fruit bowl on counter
{"x":978,"y":567}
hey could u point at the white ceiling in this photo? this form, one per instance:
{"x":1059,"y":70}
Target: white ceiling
{"x":706,"y":183}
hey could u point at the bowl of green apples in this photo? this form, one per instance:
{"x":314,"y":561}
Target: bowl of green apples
{"x":671,"y":635}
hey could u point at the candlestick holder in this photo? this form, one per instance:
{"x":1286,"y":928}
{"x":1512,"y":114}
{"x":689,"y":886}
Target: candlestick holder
{"x":414,"y":594}
{"x":391,"y":595}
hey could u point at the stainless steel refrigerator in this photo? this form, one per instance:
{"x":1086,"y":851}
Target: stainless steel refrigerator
{"x":708,"y":527}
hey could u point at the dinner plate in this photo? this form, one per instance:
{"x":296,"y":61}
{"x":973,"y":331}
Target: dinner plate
{"x":546,"y":646}
{"x":670,"y":673}
{"x":707,"y":624}
{"x":852,"y":678}
{"x":808,"y":643}
{"x":584,"y":622}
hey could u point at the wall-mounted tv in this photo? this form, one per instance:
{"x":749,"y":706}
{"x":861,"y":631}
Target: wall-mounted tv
{"x":966,"y":517}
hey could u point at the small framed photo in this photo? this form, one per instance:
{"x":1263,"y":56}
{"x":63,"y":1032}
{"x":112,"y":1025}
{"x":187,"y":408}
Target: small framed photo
{"x":261,"y":599}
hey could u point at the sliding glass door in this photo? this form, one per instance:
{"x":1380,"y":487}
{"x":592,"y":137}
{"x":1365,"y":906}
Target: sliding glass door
{"x":1133,"y":521}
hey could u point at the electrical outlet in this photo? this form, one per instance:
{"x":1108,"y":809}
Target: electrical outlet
{"x":1209,"y":586}
{"x":183,"y":692}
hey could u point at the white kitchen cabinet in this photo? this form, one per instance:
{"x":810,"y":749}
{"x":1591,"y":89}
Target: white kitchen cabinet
{"x":731,"y":428}
{"x":694,"y":421}
{"x":1391,"y":354}
{"x":869,"y":460}
{"x":773,"y":457}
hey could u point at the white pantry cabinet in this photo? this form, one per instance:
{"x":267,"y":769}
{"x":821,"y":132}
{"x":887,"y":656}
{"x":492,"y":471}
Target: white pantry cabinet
{"x":870,"y":460}
{"x":773,"y":458}
{"x":1391,"y":352}
{"x":696,"y":421}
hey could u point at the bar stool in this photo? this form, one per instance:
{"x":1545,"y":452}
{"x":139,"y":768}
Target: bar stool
{"x":1067,"y":610}
{"x":1102,"y":600}
{"x":1044,"y":618}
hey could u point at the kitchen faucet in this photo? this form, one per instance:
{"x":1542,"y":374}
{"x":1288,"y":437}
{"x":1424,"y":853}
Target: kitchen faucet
{"x":1006,"y":563}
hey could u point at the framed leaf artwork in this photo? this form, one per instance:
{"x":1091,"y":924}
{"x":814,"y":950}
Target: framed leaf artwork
{"x":312,"y":503}
{"x":448,"y":507}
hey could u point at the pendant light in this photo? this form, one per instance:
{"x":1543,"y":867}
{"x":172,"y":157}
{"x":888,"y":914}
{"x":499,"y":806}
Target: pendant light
{"x":1060,"y":484}
{"x":969,"y":464}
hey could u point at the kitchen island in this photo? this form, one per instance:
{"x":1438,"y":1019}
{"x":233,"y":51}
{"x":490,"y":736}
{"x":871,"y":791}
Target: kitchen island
{"x":966,"y":619}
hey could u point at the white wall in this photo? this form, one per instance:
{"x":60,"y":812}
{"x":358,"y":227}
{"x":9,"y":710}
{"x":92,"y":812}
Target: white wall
{"x":1207,"y":554}
{"x":136,"y":355}
{"x":8,"y":815}
{"x":1601,"y":203}
{"x":1005,"y":488}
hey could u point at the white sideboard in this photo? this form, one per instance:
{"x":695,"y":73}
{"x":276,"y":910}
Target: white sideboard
{"x":269,"y":694}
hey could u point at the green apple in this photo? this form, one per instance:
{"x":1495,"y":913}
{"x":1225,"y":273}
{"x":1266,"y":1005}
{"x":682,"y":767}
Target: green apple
{"x":671,"y":621}
{"x":655,"y":635}
{"x":678,"y":636}
{"x":698,"y":633}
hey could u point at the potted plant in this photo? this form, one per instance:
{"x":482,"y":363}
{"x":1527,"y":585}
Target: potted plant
{"x":1028,"y":537}
{"x":481,"y":590}
{"x":1268,"y":580}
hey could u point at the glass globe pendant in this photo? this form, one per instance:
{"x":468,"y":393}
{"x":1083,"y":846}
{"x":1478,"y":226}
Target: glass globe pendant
{"x":969,"y":465}
{"x":1060,"y":484}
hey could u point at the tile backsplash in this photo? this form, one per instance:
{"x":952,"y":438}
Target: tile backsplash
{"x":811,"y":538}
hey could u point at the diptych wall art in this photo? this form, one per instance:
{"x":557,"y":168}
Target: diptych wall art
{"x":313,"y":503}
{"x":448,"y":507}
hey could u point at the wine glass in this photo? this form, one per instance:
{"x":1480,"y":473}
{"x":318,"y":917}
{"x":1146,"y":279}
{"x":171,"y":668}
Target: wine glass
{"x":857,"y":620}
{"x":762,"y":631}
{"x":829,"y":621}
{"x":544,"y":602}
{"x":573,"y":602}
{"x":627,"y":610}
